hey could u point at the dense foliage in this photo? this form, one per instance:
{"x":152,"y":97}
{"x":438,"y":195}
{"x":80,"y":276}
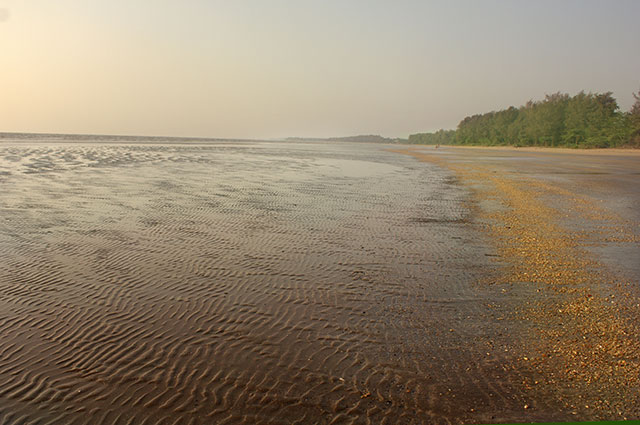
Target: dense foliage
{"x":584,"y":120}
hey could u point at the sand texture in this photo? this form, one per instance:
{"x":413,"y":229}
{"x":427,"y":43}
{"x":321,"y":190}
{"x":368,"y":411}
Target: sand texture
{"x":267,"y":283}
{"x":568,"y":228}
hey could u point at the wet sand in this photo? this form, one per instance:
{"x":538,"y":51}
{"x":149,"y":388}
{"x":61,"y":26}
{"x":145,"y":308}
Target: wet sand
{"x":308,"y":283}
{"x":567,"y":226}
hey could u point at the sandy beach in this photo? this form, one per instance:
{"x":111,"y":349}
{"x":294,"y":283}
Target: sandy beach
{"x":326,"y":283}
{"x":539,"y":149}
{"x":566,"y":224}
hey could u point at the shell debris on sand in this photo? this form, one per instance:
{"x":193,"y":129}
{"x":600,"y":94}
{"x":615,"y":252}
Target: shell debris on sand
{"x":584,"y":348}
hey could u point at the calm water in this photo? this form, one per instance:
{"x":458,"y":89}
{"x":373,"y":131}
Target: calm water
{"x":255,"y":282}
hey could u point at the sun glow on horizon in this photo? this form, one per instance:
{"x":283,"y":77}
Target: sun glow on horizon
{"x":285,"y":68}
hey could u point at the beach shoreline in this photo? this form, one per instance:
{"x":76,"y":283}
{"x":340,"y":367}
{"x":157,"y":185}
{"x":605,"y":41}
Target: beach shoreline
{"x":584,"y":345}
{"x":311,"y":283}
{"x":539,"y":149}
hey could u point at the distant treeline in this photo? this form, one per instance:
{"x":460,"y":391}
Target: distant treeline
{"x":584,"y":120}
{"x":368,"y":138}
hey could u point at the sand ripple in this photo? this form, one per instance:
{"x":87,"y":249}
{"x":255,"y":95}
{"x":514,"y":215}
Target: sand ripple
{"x":243,"y":284}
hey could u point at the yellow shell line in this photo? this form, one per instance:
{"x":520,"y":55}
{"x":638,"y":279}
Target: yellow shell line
{"x":584,"y":347}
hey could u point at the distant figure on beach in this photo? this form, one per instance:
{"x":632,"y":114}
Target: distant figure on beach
{"x":437,"y":146}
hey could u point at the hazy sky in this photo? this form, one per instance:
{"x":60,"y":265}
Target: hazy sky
{"x":275,"y":68}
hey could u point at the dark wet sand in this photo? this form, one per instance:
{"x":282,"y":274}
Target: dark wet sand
{"x":276,"y":283}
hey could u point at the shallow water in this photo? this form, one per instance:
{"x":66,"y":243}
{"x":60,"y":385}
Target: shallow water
{"x":244,"y":283}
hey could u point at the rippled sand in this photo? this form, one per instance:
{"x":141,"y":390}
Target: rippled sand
{"x":249,"y":283}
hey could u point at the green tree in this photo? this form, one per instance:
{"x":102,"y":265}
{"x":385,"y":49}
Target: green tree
{"x":584,"y":120}
{"x":634,"y":121}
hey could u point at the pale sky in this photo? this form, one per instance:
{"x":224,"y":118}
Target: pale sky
{"x":278,"y":68}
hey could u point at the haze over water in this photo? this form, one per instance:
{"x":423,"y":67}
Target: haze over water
{"x":256,"y":69}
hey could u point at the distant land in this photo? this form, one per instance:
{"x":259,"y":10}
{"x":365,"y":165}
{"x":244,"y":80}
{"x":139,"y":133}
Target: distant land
{"x":367,"y":138}
{"x":117,"y":138}
{"x":586,"y":120}
{"x":76,"y":138}
{"x":591,"y":120}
